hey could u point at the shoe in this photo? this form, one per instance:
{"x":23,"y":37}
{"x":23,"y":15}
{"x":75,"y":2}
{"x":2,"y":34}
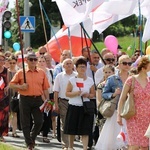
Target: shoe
{"x":30,"y":147}
{"x":2,"y":139}
{"x":15,"y":135}
{"x":46,"y":140}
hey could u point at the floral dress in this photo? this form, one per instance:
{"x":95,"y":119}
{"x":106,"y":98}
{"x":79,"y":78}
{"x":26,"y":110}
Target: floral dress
{"x":4,"y":104}
{"x":137,"y":125}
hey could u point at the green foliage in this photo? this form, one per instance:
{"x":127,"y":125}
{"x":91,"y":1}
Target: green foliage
{"x":125,"y":42}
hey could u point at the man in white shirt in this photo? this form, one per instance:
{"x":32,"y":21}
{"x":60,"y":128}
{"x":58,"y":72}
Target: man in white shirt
{"x":61,"y":101}
{"x":94,"y":64}
{"x":109,"y":59}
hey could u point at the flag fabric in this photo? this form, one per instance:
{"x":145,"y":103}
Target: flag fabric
{"x":110,"y":12}
{"x":122,"y":136}
{"x":76,"y":39}
{"x":2,"y":83}
{"x":79,"y":82}
{"x":76,"y":11}
{"x":3,"y":6}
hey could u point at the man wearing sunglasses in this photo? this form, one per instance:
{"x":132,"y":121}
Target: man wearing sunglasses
{"x":30,"y":97}
{"x":109,"y":59}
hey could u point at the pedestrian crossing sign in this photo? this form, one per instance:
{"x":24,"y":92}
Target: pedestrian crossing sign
{"x":27,"y":23}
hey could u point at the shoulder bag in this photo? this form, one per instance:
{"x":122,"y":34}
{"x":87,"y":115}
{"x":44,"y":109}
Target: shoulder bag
{"x":14,"y":103}
{"x":89,"y":107}
{"x":107,"y":107}
{"x":128,"y":109}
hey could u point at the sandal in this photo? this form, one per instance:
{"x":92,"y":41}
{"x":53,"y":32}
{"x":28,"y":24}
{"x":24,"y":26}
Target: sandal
{"x":2,"y":139}
{"x":15,"y":135}
{"x":46,"y":140}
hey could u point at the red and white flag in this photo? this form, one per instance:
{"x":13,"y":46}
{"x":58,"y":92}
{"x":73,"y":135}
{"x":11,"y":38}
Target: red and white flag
{"x":79,"y":82}
{"x":76,"y":40}
{"x":2,"y":83}
{"x":76,"y":11}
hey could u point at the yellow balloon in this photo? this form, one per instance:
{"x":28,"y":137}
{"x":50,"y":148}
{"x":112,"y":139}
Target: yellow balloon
{"x":148,"y":50}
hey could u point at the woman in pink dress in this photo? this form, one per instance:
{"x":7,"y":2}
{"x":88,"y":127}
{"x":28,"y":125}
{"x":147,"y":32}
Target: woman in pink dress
{"x":138,"y":124}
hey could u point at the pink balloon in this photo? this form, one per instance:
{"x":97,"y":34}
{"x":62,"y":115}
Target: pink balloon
{"x":111,"y":43}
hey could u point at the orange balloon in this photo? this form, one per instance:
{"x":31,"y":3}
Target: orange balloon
{"x":148,"y":50}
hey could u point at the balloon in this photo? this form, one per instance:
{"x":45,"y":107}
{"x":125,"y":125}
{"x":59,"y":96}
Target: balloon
{"x":16,"y":46}
{"x":148,"y":50}
{"x":111,"y":43}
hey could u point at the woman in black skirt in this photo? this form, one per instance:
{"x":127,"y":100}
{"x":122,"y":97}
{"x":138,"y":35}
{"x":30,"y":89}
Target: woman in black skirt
{"x":78,"y":123}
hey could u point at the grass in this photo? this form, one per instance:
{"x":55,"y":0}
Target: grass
{"x":4,"y":146}
{"x":125,"y":42}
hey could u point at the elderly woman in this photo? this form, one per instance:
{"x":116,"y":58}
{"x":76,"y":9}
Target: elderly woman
{"x":113,"y":87}
{"x":138,"y":124}
{"x":78,"y":123}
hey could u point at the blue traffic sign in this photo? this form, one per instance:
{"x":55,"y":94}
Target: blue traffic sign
{"x":27,"y":23}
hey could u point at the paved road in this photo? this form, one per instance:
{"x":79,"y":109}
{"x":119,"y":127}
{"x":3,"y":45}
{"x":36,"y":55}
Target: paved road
{"x":53,"y":145}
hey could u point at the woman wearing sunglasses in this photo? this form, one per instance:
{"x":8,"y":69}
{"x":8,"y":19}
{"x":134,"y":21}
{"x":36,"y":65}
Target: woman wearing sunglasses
{"x":13,"y":111}
{"x":138,"y":124}
{"x":113,"y":87}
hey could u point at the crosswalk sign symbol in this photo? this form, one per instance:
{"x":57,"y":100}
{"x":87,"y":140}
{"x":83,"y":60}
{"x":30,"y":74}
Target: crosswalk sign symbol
{"x":27,"y":23}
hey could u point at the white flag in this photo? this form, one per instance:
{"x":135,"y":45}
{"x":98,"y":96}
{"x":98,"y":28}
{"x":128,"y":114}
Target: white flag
{"x":76,"y":11}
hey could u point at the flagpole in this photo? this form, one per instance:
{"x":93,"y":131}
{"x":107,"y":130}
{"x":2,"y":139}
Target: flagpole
{"x":140,"y":28}
{"x":21,"y":42}
{"x":44,"y":28}
{"x":92,"y":43}
{"x":69,"y":38}
{"x":58,"y":44}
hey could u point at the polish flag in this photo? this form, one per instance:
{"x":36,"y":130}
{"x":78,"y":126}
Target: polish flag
{"x":2,"y":83}
{"x":76,"y":40}
{"x":19,"y":59}
{"x":122,"y":136}
{"x":43,"y":106}
{"x":79,"y":83}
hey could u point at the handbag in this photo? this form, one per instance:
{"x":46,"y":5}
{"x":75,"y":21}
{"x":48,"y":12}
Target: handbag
{"x":128,"y":109}
{"x":107,"y":108}
{"x":14,"y":103}
{"x":89,"y":107}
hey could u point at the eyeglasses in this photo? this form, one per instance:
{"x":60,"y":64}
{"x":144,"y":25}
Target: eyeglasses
{"x":83,"y":67}
{"x":127,"y":63}
{"x":32,"y":59}
{"x":42,"y":53}
{"x":110,"y":59}
{"x":12,"y":63}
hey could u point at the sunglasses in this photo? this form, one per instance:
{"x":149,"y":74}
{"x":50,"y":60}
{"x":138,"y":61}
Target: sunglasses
{"x":127,"y":63}
{"x":110,"y":59}
{"x":12,"y":63}
{"x":42,"y":53}
{"x":32,"y":59}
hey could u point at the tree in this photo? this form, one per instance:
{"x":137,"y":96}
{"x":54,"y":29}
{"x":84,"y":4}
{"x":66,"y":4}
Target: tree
{"x":37,"y":38}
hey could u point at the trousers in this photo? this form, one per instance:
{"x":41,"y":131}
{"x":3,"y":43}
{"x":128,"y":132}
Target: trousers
{"x":29,"y":107}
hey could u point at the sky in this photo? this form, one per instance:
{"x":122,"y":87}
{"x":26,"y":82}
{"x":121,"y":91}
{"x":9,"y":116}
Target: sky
{"x":11,"y":3}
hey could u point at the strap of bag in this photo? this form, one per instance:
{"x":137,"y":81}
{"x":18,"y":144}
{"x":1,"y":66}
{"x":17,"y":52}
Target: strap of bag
{"x":132,"y":86}
{"x":51,"y":76}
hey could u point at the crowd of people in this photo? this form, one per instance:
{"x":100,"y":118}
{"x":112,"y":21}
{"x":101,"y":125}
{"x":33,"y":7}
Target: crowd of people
{"x":65,"y":86}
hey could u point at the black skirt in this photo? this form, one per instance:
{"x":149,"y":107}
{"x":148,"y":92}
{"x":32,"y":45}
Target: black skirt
{"x":78,"y":123}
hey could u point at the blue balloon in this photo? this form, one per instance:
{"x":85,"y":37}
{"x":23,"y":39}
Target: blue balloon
{"x":16,"y":46}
